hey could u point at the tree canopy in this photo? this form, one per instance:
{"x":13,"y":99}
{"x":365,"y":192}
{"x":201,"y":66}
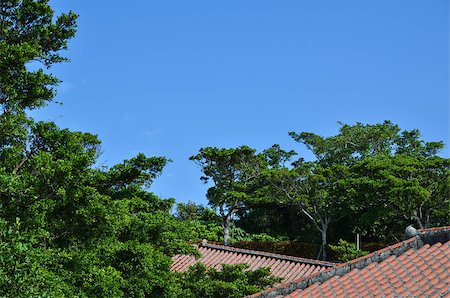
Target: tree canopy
{"x":368,"y":178}
{"x":232,"y":171}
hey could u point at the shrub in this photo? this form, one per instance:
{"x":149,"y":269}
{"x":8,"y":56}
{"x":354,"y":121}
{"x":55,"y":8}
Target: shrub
{"x":347,"y":251}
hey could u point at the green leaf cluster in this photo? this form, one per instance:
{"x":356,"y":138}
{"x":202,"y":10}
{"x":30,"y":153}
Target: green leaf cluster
{"x":91,"y":232}
{"x":347,"y":251}
{"x":231,"y":281}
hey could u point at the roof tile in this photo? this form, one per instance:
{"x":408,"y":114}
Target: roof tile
{"x":286,"y":267}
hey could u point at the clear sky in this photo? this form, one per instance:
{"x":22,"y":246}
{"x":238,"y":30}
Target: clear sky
{"x":169,"y":77}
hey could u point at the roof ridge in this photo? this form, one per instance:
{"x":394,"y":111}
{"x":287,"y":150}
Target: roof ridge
{"x":268,"y":254}
{"x":435,"y":235}
{"x":433,"y":229}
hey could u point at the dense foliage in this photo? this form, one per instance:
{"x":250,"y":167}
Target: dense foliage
{"x":231,"y":281}
{"x":369,"y":179}
{"x":233,"y":173}
{"x":347,"y":251}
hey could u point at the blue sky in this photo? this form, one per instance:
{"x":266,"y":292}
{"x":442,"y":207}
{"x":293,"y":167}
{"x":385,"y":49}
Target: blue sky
{"x":169,"y":77}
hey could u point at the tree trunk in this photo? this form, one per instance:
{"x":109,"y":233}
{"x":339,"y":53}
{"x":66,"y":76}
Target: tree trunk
{"x":418,"y":221}
{"x":226,"y":224}
{"x":322,"y":255}
{"x":324,"y":242}
{"x":323,"y":248}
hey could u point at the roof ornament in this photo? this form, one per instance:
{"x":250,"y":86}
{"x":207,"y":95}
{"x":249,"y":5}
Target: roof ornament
{"x":410,"y":231}
{"x":204,"y":242}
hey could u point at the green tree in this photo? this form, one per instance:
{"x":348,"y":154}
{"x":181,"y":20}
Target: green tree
{"x":401,"y":188}
{"x":376,"y":173}
{"x":309,"y":189}
{"x":323,"y":199}
{"x":193,"y":211}
{"x":94,"y":232}
{"x":233,"y":173}
{"x":275,"y":205}
{"x":29,"y":32}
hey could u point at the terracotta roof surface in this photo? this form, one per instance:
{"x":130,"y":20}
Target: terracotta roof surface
{"x":417,"y":267}
{"x":286,"y":267}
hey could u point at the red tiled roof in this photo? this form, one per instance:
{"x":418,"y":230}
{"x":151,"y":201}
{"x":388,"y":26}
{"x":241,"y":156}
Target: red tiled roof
{"x":417,"y":267}
{"x":286,"y":267}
